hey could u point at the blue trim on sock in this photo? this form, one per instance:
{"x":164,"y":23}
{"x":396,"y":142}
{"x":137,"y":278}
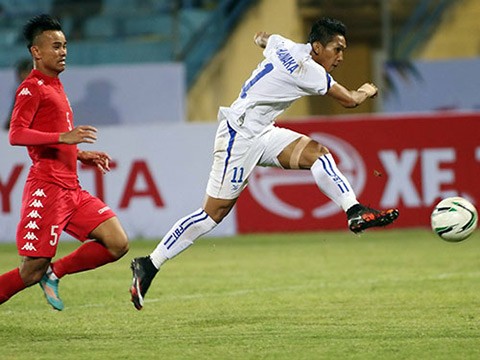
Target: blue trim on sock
{"x":175,"y":235}
{"x":337,"y":179}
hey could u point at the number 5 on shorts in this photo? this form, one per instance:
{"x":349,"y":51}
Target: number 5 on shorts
{"x":54,"y":241}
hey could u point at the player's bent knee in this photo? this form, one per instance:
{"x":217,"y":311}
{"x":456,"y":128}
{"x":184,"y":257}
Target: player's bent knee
{"x":218,"y":209}
{"x":219,"y":215}
{"x":322,"y":150}
{"x":111,"y":234}
{"x":120,"y":246}
{"x":312,"y":152}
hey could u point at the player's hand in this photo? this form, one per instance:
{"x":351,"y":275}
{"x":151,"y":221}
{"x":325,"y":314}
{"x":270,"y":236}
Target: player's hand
{"x":81,"y":134}
{"x":369,"y":88}
{"x":99,"y":159}
{"x":261,"y":38}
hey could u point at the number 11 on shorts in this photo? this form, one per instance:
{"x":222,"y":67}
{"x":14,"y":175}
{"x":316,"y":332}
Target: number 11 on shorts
{"x":237,"y":175}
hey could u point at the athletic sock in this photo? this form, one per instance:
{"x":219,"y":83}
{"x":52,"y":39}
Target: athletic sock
{"x":10,"y":284}
{"x":181,"y":236}
{"x":89,"y":255}
{"x":51,"y":274}
{"x":332,"y":182}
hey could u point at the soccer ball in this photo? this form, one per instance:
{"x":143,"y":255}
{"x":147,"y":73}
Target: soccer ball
{"x":454,"y":219}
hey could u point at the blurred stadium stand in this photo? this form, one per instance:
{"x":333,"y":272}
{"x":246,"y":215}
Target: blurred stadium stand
{"x":407,"y":23}
{"x":191,"y":31}
{"x":126,"y":31}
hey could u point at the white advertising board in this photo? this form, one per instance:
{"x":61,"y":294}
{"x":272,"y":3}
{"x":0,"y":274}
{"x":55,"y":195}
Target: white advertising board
{"x":158,"y":175}
{"x":115,"y":94}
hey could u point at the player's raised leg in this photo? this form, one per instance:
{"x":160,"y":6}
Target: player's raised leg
{"x":334,"y":184}
{"x":330,"y":180}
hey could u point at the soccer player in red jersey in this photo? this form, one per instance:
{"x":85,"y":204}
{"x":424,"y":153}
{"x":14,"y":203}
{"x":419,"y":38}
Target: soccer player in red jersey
{"x":53,"y":200}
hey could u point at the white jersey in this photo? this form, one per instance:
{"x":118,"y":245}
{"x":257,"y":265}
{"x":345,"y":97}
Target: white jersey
{"x":287,"y":73}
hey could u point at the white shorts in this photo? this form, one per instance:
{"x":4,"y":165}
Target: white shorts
{"x":235,"y":157}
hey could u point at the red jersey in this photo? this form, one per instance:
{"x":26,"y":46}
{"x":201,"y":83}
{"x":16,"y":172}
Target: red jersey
{"x":40,"y":114}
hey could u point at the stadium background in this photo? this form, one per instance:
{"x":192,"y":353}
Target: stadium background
{"x":164,"y":67}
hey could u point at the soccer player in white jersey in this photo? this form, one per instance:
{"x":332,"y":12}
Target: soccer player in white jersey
{"x":247,"y":137}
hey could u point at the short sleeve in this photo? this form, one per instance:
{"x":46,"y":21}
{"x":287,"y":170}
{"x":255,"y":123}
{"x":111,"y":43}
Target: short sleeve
{"x":315,"y":79}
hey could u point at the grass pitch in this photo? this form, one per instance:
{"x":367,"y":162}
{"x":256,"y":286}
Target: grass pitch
{"x":388,"y":294}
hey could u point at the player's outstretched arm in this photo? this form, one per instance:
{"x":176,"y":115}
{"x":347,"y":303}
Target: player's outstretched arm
{"x":261,"y":39}
{"x":24,"y":136}
{"x":352,"y":98}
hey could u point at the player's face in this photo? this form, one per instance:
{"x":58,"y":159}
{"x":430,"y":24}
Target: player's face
{"x":50,"y":52}
{"x":331,"y":55}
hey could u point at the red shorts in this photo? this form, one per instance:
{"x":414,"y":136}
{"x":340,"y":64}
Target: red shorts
{"x":48,"y":209}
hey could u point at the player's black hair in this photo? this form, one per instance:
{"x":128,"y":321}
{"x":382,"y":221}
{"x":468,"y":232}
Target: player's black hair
{"x":324,"y":29}
{"x":37,"y":25}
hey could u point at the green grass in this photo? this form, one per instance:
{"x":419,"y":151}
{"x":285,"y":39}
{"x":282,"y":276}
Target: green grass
{"x":329,"y":295}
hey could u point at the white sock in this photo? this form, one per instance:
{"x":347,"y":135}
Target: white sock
{"x":51,"y":274}
{"x":181,"y":236}
{"x":332,"y":182}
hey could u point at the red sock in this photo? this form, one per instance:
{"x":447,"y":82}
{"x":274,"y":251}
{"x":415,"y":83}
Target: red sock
{"x":10,"y":284}
{"x":88,"y":256}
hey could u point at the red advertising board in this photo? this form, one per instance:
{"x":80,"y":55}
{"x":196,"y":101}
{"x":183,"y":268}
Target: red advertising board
{"x":405,"y":162}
